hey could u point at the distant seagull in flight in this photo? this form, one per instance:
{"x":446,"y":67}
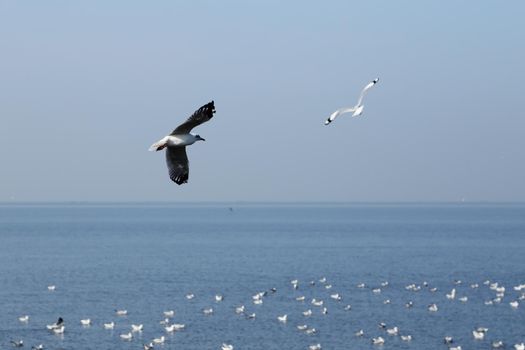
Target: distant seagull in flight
{"x":176,"y":142}
{"x":357,"y":110}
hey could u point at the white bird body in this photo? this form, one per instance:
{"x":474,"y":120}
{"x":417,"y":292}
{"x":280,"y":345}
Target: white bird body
{"x":301,"y":298}
{"x":316,"y":302}
{"x":302,"y":327}
{"x":359,"y":333}
{"x":307,"y":313}
{"x":59,"y":330}
{"x":519,"y":287}
{"x":51,"y":288}
{"x":86,"y":322}
{"x":433,"y":308}
{"x":315,"y":347}
{"x":219,"y":298}
{"x":169,"y":313}
{"x":174,"y":141}
{"x":282,"y":318}
{"x":406,"y":337}
{"x":208,"y":311}
{"x":258,"y":296}
{"x":311,"y":331}
{"x":159,"y":340}
{"x":392,"y":331}
{"x":497,"y":344}
{"x":239,"y":309}
{"x":226,"y":346}
{"x":336,"y":296}
{"x":478,"y":335}
{"x":24,"y":318}
{"x":179,"y":326}
{"x":55,"y":325}
{"x":110,"y":325}
{"x":452,"y":294}
{"x":126,"y":336}
{"x":455,"y":347}
{"x":514,"y":304}
{"x":190,"y":296}
{"x":378,"y":341}
{"x":520,"y":346}
{"x":121,"y":312}
{"x":174,"y":327}
{"x":137,"y":327}
{"x":356,"y":110}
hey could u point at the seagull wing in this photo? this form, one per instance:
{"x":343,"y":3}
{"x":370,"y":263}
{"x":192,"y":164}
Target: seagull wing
{"x":178,"y":165}
{"x":337,"y":113}
{"x":201,"y":115}
{"x":366,"y":88}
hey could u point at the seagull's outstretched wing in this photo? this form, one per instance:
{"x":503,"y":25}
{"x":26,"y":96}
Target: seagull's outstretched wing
{"x":366,"y":88}
{"x":201,"y":115}
{"x":178,"y":165}
{"x":337,"y":113}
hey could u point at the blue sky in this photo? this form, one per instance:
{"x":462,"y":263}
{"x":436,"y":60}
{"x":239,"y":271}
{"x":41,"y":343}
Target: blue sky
{"x":87,"y":86}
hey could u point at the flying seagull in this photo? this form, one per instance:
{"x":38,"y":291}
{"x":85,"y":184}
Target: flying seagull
{"x":176,"y":142}
{"x":357,"y":109}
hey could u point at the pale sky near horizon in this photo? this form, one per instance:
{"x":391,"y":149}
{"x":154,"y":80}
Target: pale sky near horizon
{"x":87,"y":86}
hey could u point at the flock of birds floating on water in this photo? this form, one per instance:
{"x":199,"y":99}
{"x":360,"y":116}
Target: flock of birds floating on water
{"x":378,"y":337}
{"x":175,"y":143}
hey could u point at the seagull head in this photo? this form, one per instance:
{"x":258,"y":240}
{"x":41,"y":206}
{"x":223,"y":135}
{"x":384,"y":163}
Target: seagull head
{"x":199,"y":138}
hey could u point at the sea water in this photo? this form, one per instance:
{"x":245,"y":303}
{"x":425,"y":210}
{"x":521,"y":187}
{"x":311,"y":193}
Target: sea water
{"x":146,"y":257}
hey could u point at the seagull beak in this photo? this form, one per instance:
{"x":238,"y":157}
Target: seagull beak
{"x":202,"y":139}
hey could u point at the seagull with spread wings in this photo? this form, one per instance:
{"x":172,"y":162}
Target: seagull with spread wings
{"x":357,"y":109}
{"x":176,"y":142}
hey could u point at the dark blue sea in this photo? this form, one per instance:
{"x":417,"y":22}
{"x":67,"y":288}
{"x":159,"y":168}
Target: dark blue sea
{"x":146,"y":257}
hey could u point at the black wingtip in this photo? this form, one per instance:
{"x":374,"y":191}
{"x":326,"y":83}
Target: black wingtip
{"x":181,"y":179}
{"x":208,"y":107}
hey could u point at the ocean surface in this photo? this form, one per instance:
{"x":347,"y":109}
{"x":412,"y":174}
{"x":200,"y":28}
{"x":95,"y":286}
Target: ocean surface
{"x":145,"y":258}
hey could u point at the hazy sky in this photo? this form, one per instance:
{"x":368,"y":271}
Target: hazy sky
{"x":87,"y":86}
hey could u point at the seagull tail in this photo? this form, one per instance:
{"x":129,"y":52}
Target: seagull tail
{"x":159,"y":145}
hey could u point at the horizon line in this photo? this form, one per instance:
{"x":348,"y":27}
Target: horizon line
{"x":255,"y":202}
